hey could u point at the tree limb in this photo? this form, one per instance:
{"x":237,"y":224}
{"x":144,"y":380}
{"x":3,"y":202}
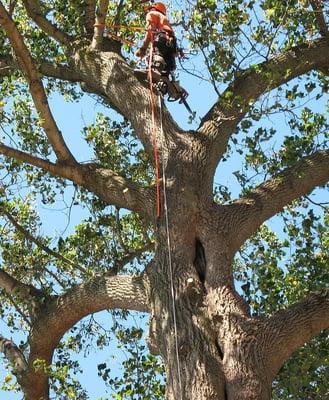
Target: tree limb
{"x":100,"y":20}
{"x":119,"y":191}
{"x":34,"y":11}
{"x":130,"y":256}
{"x":12,"y":5}
{"x":36,"y":88}
{"x":61,"y":313}
{"x":13,"y":355}
{"x":222,"y":119}
{"x":250,"y":211}
{"x":63,"y":72}
{"x":63,"y":171}
{"x":319,"y":15}
{"x":108,"y":185}
{"x":89,"y":16}
{"x":289,"y":329}
{"x":97,"y":294}
{"x":13,"y":287}
{"x":113,"y":79}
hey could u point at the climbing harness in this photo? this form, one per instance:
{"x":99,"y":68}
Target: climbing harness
{"x":166,"y":85}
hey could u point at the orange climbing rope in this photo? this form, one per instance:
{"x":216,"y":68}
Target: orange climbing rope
{"x":134,"y":28}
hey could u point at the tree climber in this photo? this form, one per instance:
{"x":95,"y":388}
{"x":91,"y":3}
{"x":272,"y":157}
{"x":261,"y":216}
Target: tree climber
{"x":163,"y":37}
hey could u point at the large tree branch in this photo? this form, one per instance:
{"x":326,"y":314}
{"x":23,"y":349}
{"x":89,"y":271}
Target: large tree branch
{"x":249,"y":212}
{"x":60,"y":170}
{"x":108,"y":185}
{"x":119,"y":191}
{"x":222,"y":119}
{"x":290,"y":329}
{"x":36,"y":88}
{"x":97,"y":294}
{"x":34,"y":11}
{"x":14,"y":355}
{"x":100,"y":22}
{"x":63,"y":72}
{"x":61,"y":313}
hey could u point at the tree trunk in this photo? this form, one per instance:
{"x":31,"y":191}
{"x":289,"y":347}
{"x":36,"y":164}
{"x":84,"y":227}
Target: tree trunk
{"x":211,"y":347}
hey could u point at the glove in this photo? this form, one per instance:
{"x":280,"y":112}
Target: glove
{"x":141,"y":52}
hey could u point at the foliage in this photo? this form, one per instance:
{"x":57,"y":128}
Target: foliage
{"x":272,"y":269}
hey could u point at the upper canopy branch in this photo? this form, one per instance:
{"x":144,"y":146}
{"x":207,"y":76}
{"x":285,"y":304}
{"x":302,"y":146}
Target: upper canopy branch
{"x":36,"y":88}
{"x":8,"y":64}
{"x":109,"y":76}
{"x":222,"y":119}
{"x":34,"y":11}
{"x":269,"y":198}
{"x":62,"y":72}
{"x":289,"y":329}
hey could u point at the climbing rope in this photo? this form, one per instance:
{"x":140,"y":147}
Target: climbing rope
{"x":171,"y":275}
{"x":154,"y":132}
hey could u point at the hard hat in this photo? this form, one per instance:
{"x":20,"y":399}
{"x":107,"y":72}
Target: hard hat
{"x":157,"y":6}
{"x":160,"y":7}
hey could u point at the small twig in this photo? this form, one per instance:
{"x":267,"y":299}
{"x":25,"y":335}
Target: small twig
{"x":36,"y":87}
{"x":317,"y":204}
{"x":38,"y":242}
{"x":18,"y":308}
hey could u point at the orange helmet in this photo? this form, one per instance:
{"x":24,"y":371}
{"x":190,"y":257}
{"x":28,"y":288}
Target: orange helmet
{"x":159,"y":7}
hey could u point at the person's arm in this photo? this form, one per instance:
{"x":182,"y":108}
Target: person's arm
{"x":151,"y":25}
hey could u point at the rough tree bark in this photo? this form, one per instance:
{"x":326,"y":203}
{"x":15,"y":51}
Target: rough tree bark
{"x":221,"y":352}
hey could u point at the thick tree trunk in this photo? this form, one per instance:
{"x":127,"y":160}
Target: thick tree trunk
{"x":211,"y":347}
{"x":214,"y":351}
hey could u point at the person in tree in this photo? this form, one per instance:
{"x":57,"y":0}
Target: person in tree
{"x":162,"y":35}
